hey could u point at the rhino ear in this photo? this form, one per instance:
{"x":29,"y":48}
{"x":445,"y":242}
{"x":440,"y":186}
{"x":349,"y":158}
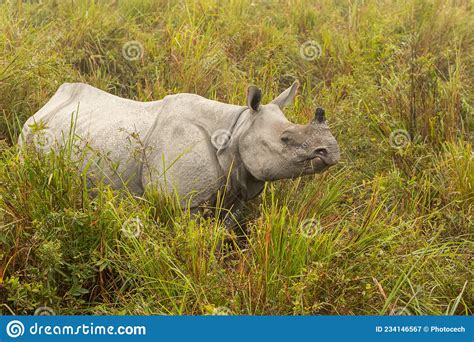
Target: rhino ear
{"x":286,"y":98}
{"x":254,"y":97}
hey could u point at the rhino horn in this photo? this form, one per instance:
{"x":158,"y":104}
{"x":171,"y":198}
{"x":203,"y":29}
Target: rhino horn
{"x":319,"y":115}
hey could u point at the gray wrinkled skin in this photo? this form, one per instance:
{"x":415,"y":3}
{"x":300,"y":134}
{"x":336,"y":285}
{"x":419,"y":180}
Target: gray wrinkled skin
{"x":184,"y":143}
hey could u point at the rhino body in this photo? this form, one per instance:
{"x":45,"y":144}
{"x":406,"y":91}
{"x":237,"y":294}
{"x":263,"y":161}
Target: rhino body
{"x":184,"y":143}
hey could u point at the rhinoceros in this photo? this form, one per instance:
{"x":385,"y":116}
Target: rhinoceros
{"x":183,"y":144}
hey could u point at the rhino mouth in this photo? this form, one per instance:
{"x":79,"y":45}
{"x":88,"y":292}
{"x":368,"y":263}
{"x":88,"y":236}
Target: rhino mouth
{"x":315,"y":163}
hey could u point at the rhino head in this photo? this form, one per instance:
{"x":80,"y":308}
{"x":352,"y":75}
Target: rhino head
{"x":272,"y":148}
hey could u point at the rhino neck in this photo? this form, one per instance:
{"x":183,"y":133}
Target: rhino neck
{"x":240,"y":182}
{"x":223,"y":117}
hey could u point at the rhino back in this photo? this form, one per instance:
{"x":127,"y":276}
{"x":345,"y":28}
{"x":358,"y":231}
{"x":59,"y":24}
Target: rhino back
{"x":96,"y":110}
{"x":108,"y":125}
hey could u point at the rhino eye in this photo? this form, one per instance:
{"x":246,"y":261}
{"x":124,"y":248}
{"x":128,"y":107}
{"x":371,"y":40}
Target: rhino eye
{"x":285,"y":138}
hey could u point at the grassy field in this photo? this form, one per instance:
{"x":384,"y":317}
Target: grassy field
{"x":387,"y":231}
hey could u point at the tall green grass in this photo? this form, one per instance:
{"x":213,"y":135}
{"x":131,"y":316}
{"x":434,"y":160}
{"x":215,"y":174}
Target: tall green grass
{"x":388,"y":231}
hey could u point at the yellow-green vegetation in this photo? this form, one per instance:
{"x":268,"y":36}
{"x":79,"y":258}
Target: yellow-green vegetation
{"x":394,"y":219}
